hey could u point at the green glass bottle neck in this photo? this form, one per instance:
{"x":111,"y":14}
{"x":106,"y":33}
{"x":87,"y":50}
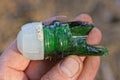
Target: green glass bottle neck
{"x":58,"y":36}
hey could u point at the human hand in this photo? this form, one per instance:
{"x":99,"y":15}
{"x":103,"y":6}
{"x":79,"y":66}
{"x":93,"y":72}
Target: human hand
{"x":14,"y":66}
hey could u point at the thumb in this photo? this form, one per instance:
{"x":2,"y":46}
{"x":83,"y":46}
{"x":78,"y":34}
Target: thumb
{"x":68,"y":69}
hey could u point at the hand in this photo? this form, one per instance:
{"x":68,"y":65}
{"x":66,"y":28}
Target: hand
{"x":14,"y":66}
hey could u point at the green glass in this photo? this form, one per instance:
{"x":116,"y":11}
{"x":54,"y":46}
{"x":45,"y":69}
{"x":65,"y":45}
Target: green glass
{"x":69,"y":38}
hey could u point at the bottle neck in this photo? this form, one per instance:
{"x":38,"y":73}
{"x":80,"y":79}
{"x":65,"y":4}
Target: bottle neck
{"x":59,"y":37}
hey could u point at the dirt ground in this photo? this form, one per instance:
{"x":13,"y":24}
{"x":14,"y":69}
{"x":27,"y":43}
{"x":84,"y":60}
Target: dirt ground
{"x":105,"y":13}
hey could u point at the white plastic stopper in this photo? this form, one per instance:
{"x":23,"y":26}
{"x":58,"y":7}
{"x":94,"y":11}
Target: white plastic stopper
{"x":30,"y":41}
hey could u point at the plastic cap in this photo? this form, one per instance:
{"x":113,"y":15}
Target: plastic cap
{"x":30,"y":41}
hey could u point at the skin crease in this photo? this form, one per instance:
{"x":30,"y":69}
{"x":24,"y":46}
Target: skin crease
{"x":13,"y":66}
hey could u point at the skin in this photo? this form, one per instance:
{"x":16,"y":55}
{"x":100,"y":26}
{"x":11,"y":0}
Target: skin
{"x":14,"y":66}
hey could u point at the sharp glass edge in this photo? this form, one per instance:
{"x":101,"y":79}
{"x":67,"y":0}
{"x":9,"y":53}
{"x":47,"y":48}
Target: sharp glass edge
{"x":72,"y":24}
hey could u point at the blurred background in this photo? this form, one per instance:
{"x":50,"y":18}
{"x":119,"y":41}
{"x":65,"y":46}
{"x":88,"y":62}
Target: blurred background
{"x":105,"y":13}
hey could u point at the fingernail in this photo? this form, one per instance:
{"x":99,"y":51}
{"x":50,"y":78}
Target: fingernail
{"x":69,"y":66}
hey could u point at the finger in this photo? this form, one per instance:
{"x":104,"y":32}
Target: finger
{"x":90,"y":63}
{"x":12,"y":64}
{"x":12,"y":58}
{"x":84,"y":18}
{"x":95,"y":35}
{"x":68,"y":69}
{"x":37,"y":68}
{"x":90,"y":68}
{"x":7,"y":73}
